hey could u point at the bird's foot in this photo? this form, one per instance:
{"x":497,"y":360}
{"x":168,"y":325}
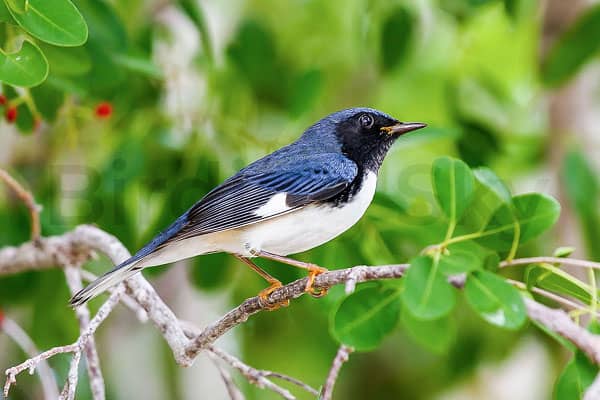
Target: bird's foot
{"x":265,"y":293}
{"x":313,"y":271}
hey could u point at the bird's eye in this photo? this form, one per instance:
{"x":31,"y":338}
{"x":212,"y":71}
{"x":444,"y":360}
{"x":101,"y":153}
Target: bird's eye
{"x":366,"y":121}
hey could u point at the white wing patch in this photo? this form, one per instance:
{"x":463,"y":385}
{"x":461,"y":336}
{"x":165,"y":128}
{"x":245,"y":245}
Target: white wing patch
{"x":275,"y":205}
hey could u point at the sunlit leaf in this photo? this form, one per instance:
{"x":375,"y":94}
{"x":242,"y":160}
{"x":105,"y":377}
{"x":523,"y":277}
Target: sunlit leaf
{"x":56,"y":22}
{"x":427,"y":293}
{"x":534,"y":212}
{"x":578,"y":45}
{"x":26,"y":67}
{"x":495,"y":300}
{"x":453,"y":185}
{"x":488,"y":178}
{"x":563,"y":251}
{"x":364,"y":318}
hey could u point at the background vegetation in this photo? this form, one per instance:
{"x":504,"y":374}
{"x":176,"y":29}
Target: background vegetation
{"x":124,"y":113}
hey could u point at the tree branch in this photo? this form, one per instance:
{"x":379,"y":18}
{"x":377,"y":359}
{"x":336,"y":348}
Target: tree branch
{"x":73,"y":277}
{"x":79,"y":244}
{"x":16,"y":333}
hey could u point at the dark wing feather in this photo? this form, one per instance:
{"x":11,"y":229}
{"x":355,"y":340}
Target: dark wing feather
{"x":234,"y":203}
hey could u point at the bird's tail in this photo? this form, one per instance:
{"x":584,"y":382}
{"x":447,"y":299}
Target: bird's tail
{"x":117,"y":275}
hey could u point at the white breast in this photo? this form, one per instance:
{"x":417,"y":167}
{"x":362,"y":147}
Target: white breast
{"x":310,"y":226}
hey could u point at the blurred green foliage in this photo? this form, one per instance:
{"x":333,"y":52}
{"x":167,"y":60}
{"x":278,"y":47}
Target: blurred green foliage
{"x":469,"y":68}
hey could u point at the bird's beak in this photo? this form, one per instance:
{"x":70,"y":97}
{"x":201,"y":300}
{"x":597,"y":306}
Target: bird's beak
{"x":403,"y":127}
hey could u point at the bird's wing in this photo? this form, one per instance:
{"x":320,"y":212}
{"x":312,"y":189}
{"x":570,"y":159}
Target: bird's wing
{"x":250,"y":196}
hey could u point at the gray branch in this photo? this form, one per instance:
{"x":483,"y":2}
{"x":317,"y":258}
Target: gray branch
{"x":79,"y":244}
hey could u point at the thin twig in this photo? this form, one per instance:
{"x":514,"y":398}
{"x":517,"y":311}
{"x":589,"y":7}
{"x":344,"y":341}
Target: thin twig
{"x":552,"y":296}
{"x":341,"y":357}
{"x":343,"y":353}
{"x":16,"y":333}
{"x":32,"y":363}
{"x":68,"y":392}
{"x":28,"y":200}
{"x":551,"y":260}
{"x":73,"y":278}
{"x":252,"y":374}
{"x":232,"y":390}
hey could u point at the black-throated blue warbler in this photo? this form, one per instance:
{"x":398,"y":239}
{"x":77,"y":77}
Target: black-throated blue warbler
{"x":289,"y":201}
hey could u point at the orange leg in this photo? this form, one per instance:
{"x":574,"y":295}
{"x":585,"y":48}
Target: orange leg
{"x":313,"y":270}
{"x":274,"y":283}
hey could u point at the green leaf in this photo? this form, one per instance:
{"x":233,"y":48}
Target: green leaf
{"x":563,"y":251}
{"x":24,"y":121}
{"x":106,"y":28}
{"x":139,"y":64}
{"x":27,"y":67}
{"x":489,"y":179}
{"x":427,"y":293}
{"x":534,"y":212}
{"x":577,"y":376}
{"x":435,"y":335}
{"x":396,"y":37}
{"x":364,"y":318}
{"x":581,"y":183}
{"x":305,"y":89}
{"x":67,"y":61}
{"x":4,"y":13}
{"x":578,"y":45}
{"x":495,"y":300}
{"x":453,"y":186}
{"x":582,"y":188}
{"x":56,"y":22}
{"x":490,"y":193}
{"x":557,"y":281}
{"x":48,"y":100}
{"x":459,"y":261}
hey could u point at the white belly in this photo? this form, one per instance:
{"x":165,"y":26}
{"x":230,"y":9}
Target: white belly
{"x":290,"y":233}
{"x":310,"y":226}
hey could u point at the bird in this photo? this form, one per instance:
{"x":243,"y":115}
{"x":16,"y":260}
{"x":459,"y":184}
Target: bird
{"x":290,"y":201}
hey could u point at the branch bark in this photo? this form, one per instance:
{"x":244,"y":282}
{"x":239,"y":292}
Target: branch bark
{"x":79,"y":244}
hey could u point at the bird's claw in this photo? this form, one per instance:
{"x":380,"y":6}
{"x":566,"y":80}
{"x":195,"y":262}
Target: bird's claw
{"x":313,"y":271}
{"x":265,"y":293}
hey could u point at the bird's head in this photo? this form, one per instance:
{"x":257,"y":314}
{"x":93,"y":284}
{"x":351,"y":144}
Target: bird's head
{"x":365,"y":134}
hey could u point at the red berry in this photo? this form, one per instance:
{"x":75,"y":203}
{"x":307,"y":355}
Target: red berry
{"x":103,"y":110}
{"x":2,"y":99}
{"x":1,"y":317}
{"x":11,"y":114}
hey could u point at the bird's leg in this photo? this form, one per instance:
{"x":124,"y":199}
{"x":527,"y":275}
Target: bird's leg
{"x":274,"y":283}
{"x":313,"y":270}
